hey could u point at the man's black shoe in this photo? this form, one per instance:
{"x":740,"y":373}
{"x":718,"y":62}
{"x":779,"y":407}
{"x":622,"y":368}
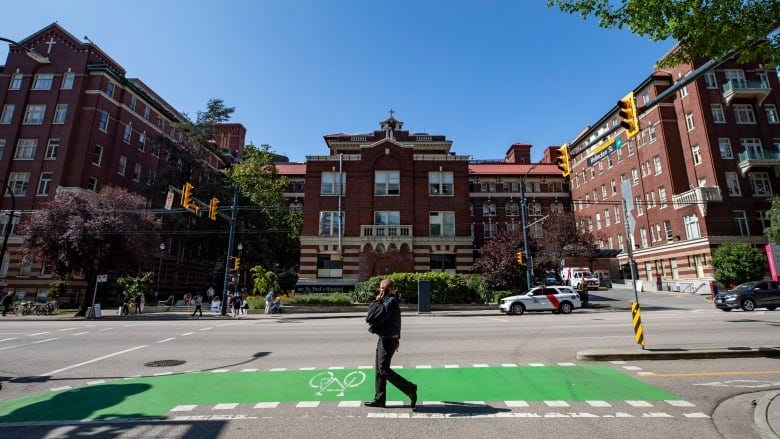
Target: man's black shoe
{"x":374,"y":404}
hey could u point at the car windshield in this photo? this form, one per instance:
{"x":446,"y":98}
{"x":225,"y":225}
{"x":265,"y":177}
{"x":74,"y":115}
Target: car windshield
{"x":744,"y":287}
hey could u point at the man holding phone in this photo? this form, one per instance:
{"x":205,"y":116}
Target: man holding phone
{"x":384,"y":316}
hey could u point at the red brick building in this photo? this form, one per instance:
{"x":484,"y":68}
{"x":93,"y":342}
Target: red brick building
{"x":409,"y":204}
{"x":79,"y":123}
{"x":702,"y":171}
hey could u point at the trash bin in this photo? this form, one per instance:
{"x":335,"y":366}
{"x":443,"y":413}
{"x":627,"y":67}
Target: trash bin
{"x":423,"y":296}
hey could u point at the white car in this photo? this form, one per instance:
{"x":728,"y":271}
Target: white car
{"x":558,"y":299}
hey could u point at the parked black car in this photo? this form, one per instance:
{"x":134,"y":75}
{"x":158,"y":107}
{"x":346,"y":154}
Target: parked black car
{"x":750,"y":295}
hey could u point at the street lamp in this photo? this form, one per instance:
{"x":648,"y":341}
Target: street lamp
{"x":238,"y":284}
{"x":528,"y":261}
{"x":159,"y":270}
{"x":31,"y":53}
{"x":8,"y":223}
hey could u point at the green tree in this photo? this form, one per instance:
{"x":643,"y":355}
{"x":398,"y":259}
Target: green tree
{"x":736,"y":263}
{"x":703,"y":29}
{"x":264,"y":280}
{"x":134,"y":285}
{"x":773,"y":231}
{"x":497,"y":262}
{"x":57,"y":288}
{"x":93,"y":233}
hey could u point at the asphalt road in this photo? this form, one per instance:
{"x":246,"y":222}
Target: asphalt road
{"x":480,"y":373}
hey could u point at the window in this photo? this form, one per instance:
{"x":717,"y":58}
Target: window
{"x":34,"y":114}
{"x":103,"y":124}
{"x":764,"y":220}
{"x":651,"y":133}
{"x":603,"y":191}
{"x":613,"y":186}
{"x":97,"y":155}
{"x":607,"y":220}
{"x":616,"y":210}
{"x":771,"y":113}
{"x":16,"y":81}
{"x":25,"y":149}
{"x":60,"y":113}
{"x":333,"y":183}
{"x":51,"y":149}
{"x":443,"y":262}
{"x":440,"y":183}
{"x":752,"y":146}
{"x":92,"y":184}
{"x":630,"y":146}
{"x":661,"y":197}
{"x":691,"y":226}
{"x":441,"y":223}
{"x":17,"y":182}
{"x":598,"y":221}
{"x":330,"y":223}
{"x":387,"y":182}
{"x":110,"y":89}
{"x":684,"y":91}
{"x":512,"y":209}
{"x":732,"y":182}
{"x":2,"y":148}
{"x":643,"y":236}
{"x":741,"y":221}
{"x":133,"y":102}
{"x":127,"y":133}
{"x":724,"y":144}
{"x":710,"y":81}
{"x":67,"y":80}
{"x":8,"y":114}
{"x":146,"y":113}
{"x":43,"y":81}
{"x":717,"y":113}
{"x":122,"y":165}
{"x":743,"y":113}
{"x":489,"y":208}
{"x":760,"y":184}
{"x":657,"y":164}
{"x":44,"y":184}
{"x":639,"y":206}
{"x":634,"y":176}
{"x":142,"y":141}
{"x":689,"y":121}
{"x":490,"y":230}
{"x":696,"y":153}
{"x":387,"y":218}
{"x":137,"y":172}
{"x":668,"y":230}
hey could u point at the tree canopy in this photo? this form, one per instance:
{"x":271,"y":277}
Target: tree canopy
{"x":735,"y":263}
{"x":773,"y":231}
{"x":703,"y":29}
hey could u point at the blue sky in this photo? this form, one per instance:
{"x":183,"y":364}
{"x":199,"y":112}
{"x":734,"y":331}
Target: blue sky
{"x":485,"y":74}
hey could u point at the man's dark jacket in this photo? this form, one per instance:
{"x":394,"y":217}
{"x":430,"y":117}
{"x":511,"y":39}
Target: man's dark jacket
{"x":384,"y":318}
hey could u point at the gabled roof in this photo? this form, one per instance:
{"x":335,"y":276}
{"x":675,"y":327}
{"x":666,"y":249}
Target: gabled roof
{"x":291,"y":169}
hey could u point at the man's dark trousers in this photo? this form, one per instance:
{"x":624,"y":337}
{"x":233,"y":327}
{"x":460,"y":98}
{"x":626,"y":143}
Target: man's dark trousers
{"x":385,"y":348}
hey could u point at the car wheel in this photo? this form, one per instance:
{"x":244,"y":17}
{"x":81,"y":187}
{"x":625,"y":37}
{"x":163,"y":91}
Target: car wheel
{"x":565,"y":308}
{"x":748,"y":305}
{"x":517,"y":308}
{"x":771,"y":308}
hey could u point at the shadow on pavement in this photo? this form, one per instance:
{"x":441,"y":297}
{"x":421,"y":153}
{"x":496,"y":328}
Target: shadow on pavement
{"x":190,"y":429}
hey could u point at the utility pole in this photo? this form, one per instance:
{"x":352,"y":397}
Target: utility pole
{"x":231,"y":238}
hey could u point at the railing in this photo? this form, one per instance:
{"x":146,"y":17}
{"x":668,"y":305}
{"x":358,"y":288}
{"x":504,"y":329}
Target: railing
{"x":734,"y":88}
{"x":761,"y":156}
{"x":698,"y":196}
{"x":385,"y":231}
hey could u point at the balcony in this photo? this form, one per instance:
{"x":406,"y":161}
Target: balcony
{"x":740,"y":88}
{"x":387,"y":234}
{"x":753,"y":159}
{"x":699,"y":196}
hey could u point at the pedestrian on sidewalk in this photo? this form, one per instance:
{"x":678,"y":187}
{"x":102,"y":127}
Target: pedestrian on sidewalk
{"x":384,"y":318}
{"x":138,"y":301}
{"x":269,"y":298}
{"x":8,"y":300}
{"x":198,"y":306}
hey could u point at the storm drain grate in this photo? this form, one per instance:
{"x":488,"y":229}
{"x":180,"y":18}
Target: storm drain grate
{"x":165,"y":363}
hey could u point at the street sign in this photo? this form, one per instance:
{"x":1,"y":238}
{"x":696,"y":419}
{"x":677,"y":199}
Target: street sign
{"x":169,"y":200}
{"x":102,"y":278}
{"x":618,"y":143}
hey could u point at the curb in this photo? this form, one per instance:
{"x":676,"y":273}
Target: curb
{"x":677,"y":353}
{"x":761,"y":415}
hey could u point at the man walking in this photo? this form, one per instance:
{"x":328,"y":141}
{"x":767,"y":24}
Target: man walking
{"x":8,"y":300}
{"x":198,"y":306}
{"x":384,"y":318}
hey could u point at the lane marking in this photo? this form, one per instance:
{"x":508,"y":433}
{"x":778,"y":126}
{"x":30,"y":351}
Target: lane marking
{"x":81,"y":333}
{"x":94,"y":360}
{"x":37,"y":333}
{"x":8,"y":339}
{"x":44,"y":341}
{"x":705,"y":374}
{"x":166,"y":340}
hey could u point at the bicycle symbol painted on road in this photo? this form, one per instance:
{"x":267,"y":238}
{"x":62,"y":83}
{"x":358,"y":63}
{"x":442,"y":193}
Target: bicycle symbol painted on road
{"x":327,"y":382}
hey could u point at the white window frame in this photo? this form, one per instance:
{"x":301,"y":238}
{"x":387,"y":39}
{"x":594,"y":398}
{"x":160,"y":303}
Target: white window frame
{"x":329,"y":223}
{"x":740,"y":218}
{"x":103,"y":122}
{"x":696,"y":154}
{"x":724,"y":145}
{"x":127,"y":134}
{"x":34,"y":114}
{"x":110,"y":89}
{"x":18,"y":183}
{"x":142,"y":141}
{"x":133,"y":102}
{"x":25,"y":149}
{"x":743,"y":114}
{"x":760,"y":184}
{"x":440,"y":183}
{"x":662,"y":197}
{"x":97,"y":155}
{"x":657,"y":165}
{"x":52,"y":147}
{"x":43,"y":81}
{"x":67,"y":80}
{"x":387,"y":183}
{"x":692,"y":230}
{"x":8,"y":114}
{"x":333,"y":183}
{"x":60,"y":114}
{"x":44,"y":183}
{"x":689,"y":123}
{"x":710,"y":81}
{"x":122,"y":167}
{"x":92,"y":184}
{"x":16,"y":81}
{"x":441,"y":223}
{"x":732,"y":184}
{"x":718,"y":116}
{"x":137,"y":172}
{"x":771,"y":113}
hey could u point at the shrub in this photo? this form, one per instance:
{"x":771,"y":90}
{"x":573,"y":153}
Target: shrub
{"x":445,"y":288}
{"x":334,"y":299}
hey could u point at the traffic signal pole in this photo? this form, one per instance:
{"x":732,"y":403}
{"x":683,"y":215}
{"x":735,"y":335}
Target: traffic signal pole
{"x":229,"y":258}
{"x":529,"y":277}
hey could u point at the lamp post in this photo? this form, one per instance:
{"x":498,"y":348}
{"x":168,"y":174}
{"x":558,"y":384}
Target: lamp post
{"x":238,"y":284}
{"x":31,"y":53}
{"x":159,"y":270}
{"x":8,"y":223}
{"x":528,"y":259}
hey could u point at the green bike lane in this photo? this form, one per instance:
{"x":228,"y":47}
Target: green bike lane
{"x":156,"y":396}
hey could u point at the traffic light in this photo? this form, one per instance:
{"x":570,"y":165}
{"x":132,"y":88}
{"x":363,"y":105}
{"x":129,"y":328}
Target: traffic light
{"x":213,"y":208}
{"x":562,"y":160}
{"x":521,"y":257}
{"x":628,"y":117}
{"x":236,"y":264}
{"x":186,"y":195}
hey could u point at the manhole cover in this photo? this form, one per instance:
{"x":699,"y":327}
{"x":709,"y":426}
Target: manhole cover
{"x":165,"y":363}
